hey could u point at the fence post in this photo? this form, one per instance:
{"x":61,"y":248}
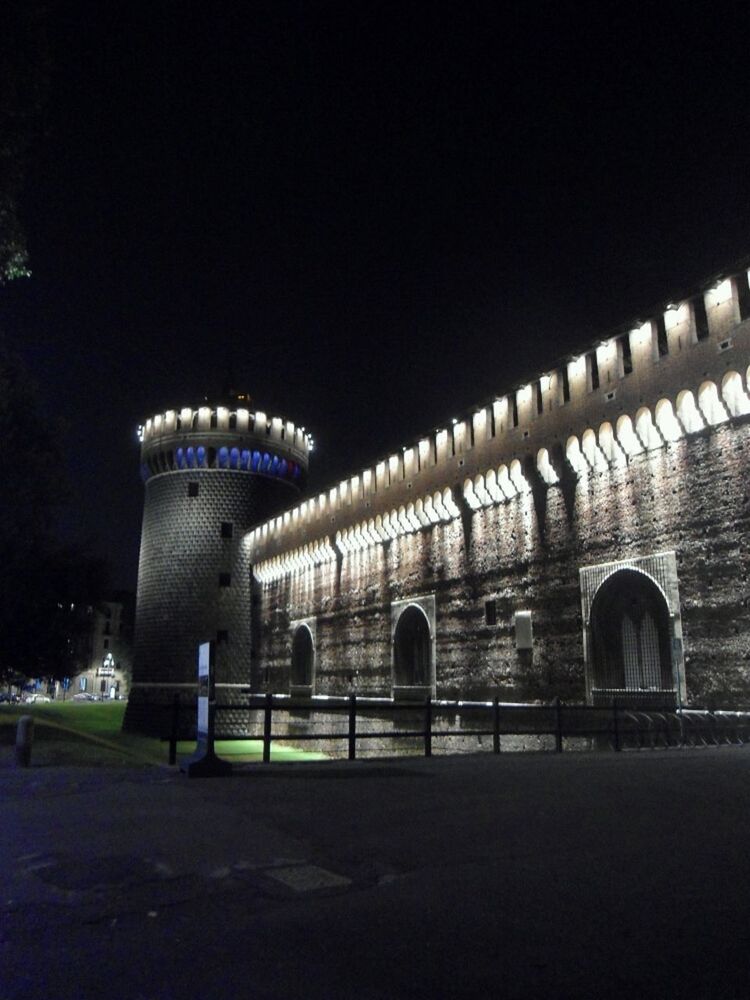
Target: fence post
{"x":352,"y":726}
{"x":615,"y":726}
{"x":428,"y":727}
{"x":174,"y":729}
{"x":267,"y":717}
{"x":496,"y":725}
{"x":24,"y":740}
{"x":558,"y":726}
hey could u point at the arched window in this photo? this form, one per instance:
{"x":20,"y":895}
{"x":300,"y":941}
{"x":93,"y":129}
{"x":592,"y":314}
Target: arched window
{"x":412,"y":650}
{"x":303,"y":658}
{"x":631,"y":636}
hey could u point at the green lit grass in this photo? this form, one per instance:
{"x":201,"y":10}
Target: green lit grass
{"x":247,"y":751}
{"x":90,"y":734}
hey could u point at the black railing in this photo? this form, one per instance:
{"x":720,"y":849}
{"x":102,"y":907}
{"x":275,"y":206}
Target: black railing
{"x":618,"y":726}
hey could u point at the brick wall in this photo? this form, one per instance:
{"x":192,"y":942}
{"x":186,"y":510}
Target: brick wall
{"x":691,"y":496}
{"x":181,"y":601}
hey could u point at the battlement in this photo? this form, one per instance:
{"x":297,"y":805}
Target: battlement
{"x":224,"y":437}
{"x":673,"y":375}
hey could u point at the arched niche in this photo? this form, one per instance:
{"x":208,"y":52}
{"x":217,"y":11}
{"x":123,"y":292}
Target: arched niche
{"x":630,"y":634}
{"x":302,"y":658}
{"x":413,"y":648}
{"x":633,"y":631}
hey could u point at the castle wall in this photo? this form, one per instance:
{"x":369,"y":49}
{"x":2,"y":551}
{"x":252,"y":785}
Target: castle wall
{"x":480,"y":554}
{"x":631,"y":451}
{"x":689,"y":346}
{"x":690,"y":497}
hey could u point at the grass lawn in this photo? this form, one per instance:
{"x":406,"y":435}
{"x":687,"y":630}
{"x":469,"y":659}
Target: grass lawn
{"x":90,"y":733}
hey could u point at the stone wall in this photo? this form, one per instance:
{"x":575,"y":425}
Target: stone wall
{"x":691,"y":496}
{"x":182,"y":598}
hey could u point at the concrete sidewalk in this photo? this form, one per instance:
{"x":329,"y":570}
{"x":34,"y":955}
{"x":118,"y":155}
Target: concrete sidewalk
{"x":582,"y":875}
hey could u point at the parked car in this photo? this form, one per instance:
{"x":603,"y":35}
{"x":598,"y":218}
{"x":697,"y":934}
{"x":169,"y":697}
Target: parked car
{"x":84,"y":696}
{"x":7,"y":698}
{"x":35,"y":699}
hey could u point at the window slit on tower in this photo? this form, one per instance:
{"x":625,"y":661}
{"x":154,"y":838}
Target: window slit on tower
{"x":514,"y":410}
{"x":539,"y":397}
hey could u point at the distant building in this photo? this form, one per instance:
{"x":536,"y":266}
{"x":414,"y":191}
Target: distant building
{"x":108,"y":671}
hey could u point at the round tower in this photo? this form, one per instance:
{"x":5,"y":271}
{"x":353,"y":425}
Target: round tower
{"x":210,"y":474}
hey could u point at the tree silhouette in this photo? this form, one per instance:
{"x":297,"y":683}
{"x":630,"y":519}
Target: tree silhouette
{"x":48,"y":591}
{"x":24,"y":76}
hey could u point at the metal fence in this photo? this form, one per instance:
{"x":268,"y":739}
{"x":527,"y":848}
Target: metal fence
{"x":350,"y":722}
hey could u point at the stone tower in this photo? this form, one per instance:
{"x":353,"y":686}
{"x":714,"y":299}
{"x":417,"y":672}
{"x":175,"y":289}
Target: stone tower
{"x":210,"y":474}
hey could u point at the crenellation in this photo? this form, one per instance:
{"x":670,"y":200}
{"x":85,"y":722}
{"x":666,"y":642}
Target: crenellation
{"x":722,"y":307}
{"x":525,"y":405}
{"x":630,"y":368}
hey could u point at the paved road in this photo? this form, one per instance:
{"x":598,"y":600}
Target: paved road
{"x":599,"y":875}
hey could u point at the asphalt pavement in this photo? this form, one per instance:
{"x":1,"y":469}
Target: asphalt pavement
{"x":521,"y":876}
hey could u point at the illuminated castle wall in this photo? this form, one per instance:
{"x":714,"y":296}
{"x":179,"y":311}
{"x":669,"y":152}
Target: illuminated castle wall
{"x":582,"y":535}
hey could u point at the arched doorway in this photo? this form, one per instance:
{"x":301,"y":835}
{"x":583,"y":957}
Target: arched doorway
{"x":412,"y":650}
{"x":630,"y":635}
{"x":303,"y":658}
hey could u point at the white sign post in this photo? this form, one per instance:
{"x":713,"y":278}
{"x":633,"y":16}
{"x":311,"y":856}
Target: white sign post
{"x":204,"y":763}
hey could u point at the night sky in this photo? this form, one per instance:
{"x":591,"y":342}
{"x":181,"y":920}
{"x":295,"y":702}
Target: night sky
{"x":368,"y":215}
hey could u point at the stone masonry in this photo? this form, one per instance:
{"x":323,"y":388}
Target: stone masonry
{"x":583,"y":535}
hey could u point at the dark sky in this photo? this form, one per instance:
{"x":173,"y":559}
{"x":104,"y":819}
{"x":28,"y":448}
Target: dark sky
{"x":370,"y":215}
